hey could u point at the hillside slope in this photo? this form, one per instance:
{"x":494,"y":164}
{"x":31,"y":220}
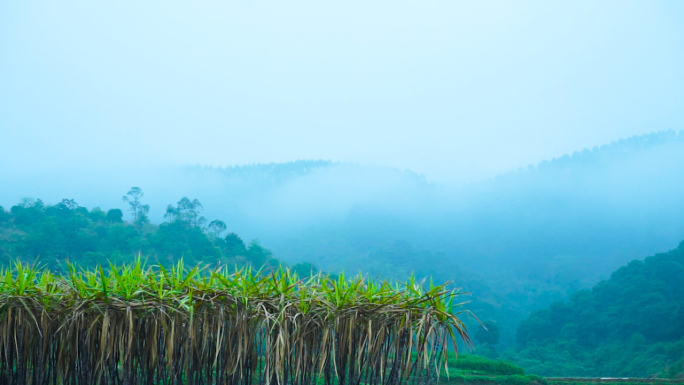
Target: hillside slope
{"x":629,"y":325}
{"x":519,"y":242}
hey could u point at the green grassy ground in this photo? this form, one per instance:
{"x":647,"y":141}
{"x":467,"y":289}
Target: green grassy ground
{"x":612,"y":381}
{"x":477,"y":370}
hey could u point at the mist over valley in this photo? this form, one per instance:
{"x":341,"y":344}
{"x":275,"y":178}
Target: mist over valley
{"x":342,"y":193}
{"x":518,"y":242}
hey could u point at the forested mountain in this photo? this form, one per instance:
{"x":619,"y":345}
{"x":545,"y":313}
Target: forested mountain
{"x":629,"y":325}
{"x":526,"y":239}
{"x":519,"y":242}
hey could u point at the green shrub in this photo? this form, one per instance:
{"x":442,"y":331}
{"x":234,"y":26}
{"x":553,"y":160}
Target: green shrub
{"x":485,"y":365}
{"x":515,"y":379}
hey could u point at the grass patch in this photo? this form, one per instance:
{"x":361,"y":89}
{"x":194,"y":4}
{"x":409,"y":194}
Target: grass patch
{"x":478,"y":370}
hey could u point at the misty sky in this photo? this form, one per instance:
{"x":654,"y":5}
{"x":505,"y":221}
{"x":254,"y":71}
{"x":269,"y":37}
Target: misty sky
{"x":456,"y":90}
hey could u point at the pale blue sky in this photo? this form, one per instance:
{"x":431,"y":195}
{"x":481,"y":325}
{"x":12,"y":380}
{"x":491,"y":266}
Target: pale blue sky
{"x":456,"y":90}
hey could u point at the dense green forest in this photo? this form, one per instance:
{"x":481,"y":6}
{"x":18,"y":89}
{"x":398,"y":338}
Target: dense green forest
{"x":55,"y":233}
{"x":629,"y":325}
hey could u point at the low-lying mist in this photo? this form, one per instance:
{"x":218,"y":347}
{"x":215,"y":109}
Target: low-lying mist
{"x":518,"y":242}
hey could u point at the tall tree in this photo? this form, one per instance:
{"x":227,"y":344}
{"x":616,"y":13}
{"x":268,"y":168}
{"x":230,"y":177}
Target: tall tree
{"x":139,"y":210}
{"x":115,"y":216}
{"x":217,"y":227}
{"x":187,"y":211}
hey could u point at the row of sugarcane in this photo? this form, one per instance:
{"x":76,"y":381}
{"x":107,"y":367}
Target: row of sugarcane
{"x":139,"y":325}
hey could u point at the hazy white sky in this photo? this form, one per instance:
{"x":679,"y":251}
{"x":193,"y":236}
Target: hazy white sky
{"x":455,"y":90}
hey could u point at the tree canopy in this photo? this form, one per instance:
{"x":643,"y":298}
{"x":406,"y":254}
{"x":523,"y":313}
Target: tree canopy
{"x":65,"y":231}
{"x":629,"y":325}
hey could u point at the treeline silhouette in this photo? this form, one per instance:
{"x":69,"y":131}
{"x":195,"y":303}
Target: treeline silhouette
{"x":55,"y":233}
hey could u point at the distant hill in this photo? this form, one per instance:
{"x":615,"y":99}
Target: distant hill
{"x":531,"y":237}
{"x":519,"y":242}
{"x":629,"y":325}
{"x":270,"y":174}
